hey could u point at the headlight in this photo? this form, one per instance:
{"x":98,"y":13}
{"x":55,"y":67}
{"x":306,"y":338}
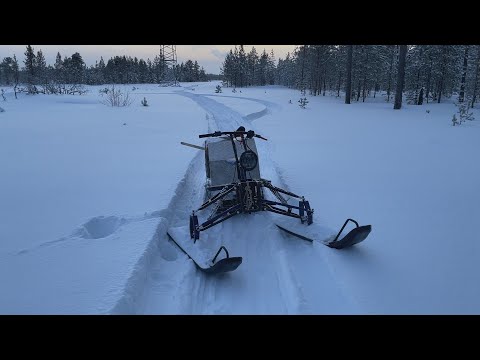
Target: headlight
{"x":248,"y":160}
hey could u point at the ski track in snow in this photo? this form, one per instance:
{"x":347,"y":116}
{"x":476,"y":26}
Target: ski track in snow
{"x":98,"y":227}
{"x":275,"y":276}
{"x":269,"y":107}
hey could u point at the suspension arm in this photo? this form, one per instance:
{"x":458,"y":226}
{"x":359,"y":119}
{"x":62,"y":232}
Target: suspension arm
{"x":269,"y":202}
{"x":282,"y":212}
{"x":224,"y":215}
{"x":278,"y":196}
{"x":226,"y":190}
{"x":274,"y":188}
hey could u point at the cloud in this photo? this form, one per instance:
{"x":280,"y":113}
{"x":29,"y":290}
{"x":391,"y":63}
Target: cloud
{"x":219,"y":54}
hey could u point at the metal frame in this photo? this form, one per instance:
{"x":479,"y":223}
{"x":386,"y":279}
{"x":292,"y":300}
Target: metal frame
{"x":249,"y":195}
{"x":168,"y":58}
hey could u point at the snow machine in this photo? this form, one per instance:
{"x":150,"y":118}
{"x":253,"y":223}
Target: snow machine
{"x":234,"y":186}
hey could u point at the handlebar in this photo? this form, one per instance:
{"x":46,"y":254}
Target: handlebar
{"x":249,"y":134}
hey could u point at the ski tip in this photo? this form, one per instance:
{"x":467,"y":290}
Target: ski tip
{"x":224,"y":265}
{"x":355,"y":236}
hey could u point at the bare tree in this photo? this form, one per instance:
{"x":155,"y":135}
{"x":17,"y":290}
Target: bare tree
{"x":15,"y":75}
{"x":115,"y":97}
{"x":400,"y":77}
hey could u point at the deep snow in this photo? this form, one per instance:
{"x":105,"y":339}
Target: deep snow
{"x":86,"y":201}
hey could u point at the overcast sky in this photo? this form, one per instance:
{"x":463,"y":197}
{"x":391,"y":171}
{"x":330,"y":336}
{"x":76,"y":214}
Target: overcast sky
{"x":208,"y":56}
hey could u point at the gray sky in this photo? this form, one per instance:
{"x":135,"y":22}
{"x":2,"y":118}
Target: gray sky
{"x":208,"y":56}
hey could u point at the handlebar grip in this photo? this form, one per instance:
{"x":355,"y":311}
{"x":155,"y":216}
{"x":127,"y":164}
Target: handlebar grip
{"x":216,"y":133}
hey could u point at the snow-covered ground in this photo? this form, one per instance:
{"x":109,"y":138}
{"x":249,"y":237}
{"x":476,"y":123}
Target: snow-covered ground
{"x":87,"y":192}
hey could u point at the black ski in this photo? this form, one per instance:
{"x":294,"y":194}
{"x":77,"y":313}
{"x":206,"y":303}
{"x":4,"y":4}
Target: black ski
{"x":303,"y":232}
{"x":294,"y":233}
{"x":211,"y":267}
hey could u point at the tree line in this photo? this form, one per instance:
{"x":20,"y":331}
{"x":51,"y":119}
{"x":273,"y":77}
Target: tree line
{"x":422,"y":73}
{"x":67,"y":73}
{"x":241,"y":69}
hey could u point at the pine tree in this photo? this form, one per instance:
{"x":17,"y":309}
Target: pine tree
{"x":339,"y":65}
{"x":262,"y":69}
{"x":242,"y":67}
{"x":202,"y":76}
{"x":58,"y":70}
{"x":252,"y":61}
{"x":76,"y":69}
{"x":41,"y":70}
{"x":454,"y":120}
{"x":30,"y":62}
{"x":227,"y":69}
{"x":464,"y":111}
{"x":390,"y":71}
{"x":348,"y":85}
{"x":303,"y":102}
{"x":400,"y":77}
{"x":6,"y":69}
{"x":301,"y":54}
{"x":270,"y":71}
{"x":461,"y":95}
{"x":475,"y":83}
{"x":445,"y":70}
{"x":196,"y":71}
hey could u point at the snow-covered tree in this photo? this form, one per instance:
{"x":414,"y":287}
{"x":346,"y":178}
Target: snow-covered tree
{"x":464,"y":111}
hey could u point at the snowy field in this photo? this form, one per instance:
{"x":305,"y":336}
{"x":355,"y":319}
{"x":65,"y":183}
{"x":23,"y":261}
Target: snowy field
{"x":87,"y":192}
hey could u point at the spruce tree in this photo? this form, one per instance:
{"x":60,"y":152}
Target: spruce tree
{"x":58,"y":69}
{"x":475,"y":81}
{"x":348,"y":85}
{"x":30,"y":62}
{"x":41,"y":70}
{"x":461,"y":95}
